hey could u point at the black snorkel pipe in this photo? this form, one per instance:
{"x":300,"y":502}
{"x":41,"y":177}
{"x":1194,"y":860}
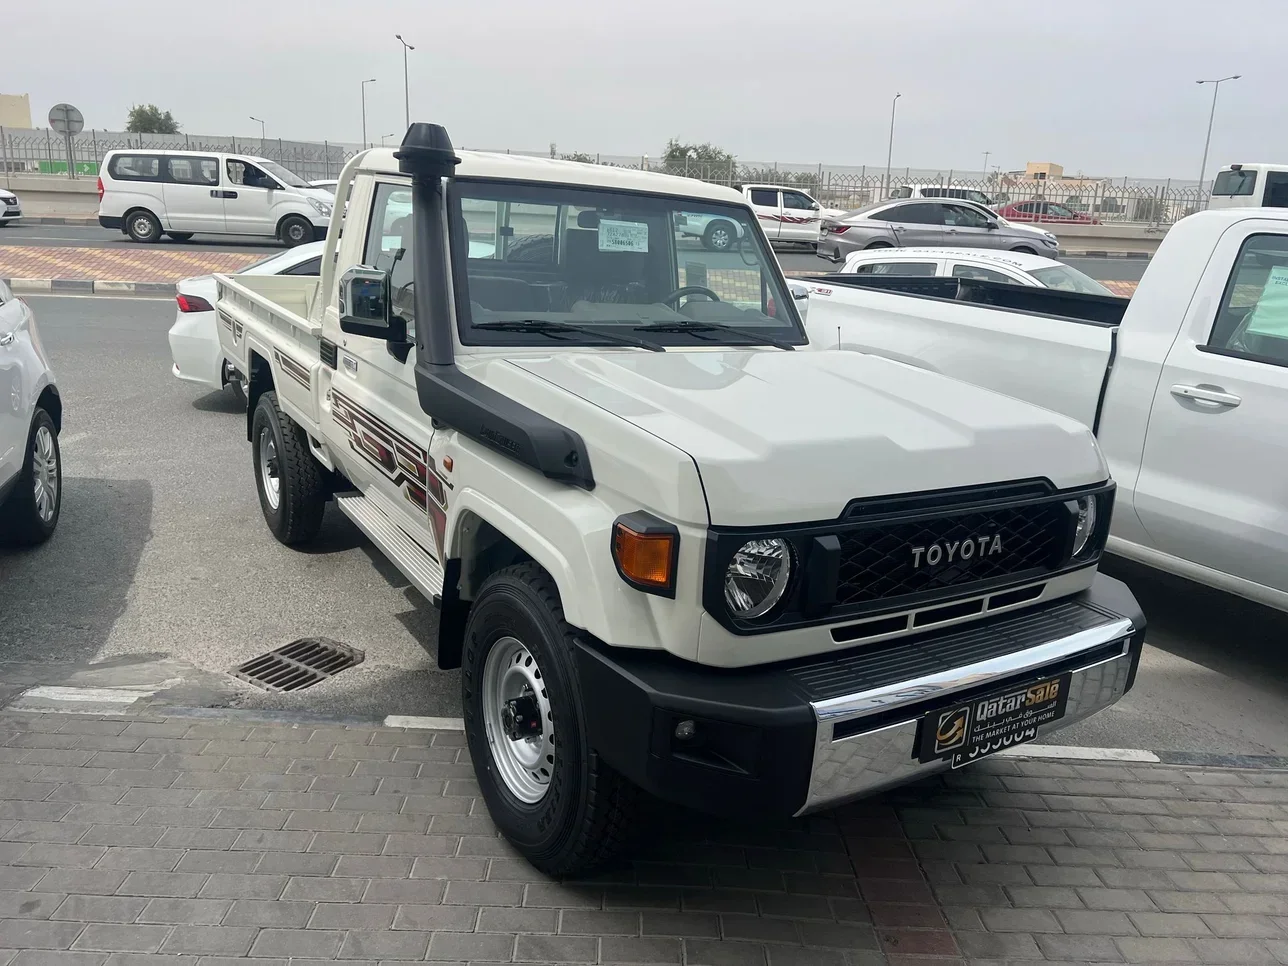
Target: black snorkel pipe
{"x":446,"y":393}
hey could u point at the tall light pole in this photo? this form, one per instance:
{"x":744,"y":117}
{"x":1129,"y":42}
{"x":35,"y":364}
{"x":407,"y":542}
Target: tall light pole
{"x":261,"y":131}
{"x":369,"y":80}
{"x":1216,"y":89}
{"x":986,"y":154}
{"x":383,"y":136}
{"x":406,"y":86}
{"x":890,"y":149}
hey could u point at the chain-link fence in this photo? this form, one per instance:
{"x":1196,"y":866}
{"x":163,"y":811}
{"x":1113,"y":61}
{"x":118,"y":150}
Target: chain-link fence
{"x":1104,"y":200}
{"x":24,"y":151}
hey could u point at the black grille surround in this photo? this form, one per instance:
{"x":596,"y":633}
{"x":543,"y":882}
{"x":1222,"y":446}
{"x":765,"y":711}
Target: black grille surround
{"x":892,"y":554}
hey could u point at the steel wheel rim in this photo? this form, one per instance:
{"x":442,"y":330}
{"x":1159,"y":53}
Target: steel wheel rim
{"x":269,"y":470}
{"x":142,"y":227}
{"x":44,"y":465}
{"x":525,"y":764}
{"x":296,"y":232}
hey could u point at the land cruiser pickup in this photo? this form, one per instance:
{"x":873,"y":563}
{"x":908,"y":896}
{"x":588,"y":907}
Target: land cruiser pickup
{"x":1185,"y":385}
{"x":670,"y":551}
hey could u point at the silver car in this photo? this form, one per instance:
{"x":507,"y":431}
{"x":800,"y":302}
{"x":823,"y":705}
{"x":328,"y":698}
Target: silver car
{"x":920,"y":223}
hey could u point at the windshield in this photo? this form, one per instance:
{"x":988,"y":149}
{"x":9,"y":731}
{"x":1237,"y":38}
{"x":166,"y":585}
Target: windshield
{"x":597,"y":259}
{"x":1231,"y":183}
{"x":288,"y":178}
{"x":1068,"y":279}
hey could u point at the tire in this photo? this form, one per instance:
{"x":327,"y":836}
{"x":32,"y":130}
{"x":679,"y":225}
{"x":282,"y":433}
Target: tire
{"x":295,"y":230}
{"x":719,"y":236}
{"x":878,"y":244}
{"x":180,"y":236}
{"x":143,"y":226}
{"x":1024,"y":250}
{"x":280,"y":450}
{"x":579,"y":821}
{"x":27,"y":518}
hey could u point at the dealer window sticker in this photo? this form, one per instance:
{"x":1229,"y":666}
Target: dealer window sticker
{"x":622,"y":236}
{"x":1270,"y":317}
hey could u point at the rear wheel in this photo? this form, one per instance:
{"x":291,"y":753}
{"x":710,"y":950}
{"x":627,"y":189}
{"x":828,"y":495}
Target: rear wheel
{"x":295,"y":230}
{"x":291,"y":484}
{"x":143,"y":226}
{"x":719,"y":236}
{"x":30,"y":515}
{"x":180,"y":236}
{"x":549,"y":793}
{"x":878,"y":244}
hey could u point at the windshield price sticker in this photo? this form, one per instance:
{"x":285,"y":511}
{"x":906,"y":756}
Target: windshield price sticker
{"x":623,"y":236}
{"x":1270,"y":317}
{"x":987,"y":725}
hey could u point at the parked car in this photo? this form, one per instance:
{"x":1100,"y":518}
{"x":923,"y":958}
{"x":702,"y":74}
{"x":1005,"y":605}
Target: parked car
{"x":1017,"y":268}
{"x":31,"y":417}
{"x":928,"y":224}
{"x":1046,"y":211}
{"x":1185,"y":385}
{"x":146,"y":194}
{"x":194,"y":337}
{"x":1250,"y":186}
{"x":670,"y":554}
{"x":942,"y":191}
{"x":786,"y":215}
{"x":10,"y":207}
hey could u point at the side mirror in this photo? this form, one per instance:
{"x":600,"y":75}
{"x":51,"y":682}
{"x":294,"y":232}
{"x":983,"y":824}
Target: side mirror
{"x":799,"y":291}
{"x":366,"y":307}
{"x":991,"y":225}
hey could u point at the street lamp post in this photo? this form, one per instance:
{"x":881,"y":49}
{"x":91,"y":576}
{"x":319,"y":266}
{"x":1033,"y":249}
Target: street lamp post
{"x":986,"y":154}
{"x":383,"y":136}
{"x":1216,"y":89}
{"x":369,"y":80}
{"x":261,"y":132}
{"x":406,"y":85}
{"x":890,"y":148}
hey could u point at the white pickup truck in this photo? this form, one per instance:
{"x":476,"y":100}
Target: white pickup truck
{"x":1185,"y":386}
{"x":669,"y":551}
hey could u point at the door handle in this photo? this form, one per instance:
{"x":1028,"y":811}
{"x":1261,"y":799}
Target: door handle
{"x":230,"y":194}
{"x":223,"y":194}
{"x":1207,"y":394}
{"x":7,"y":339}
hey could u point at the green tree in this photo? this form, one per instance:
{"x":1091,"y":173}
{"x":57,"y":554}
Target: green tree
{"x":705,"y":161}
{"x":579,"y":156}
{"x":149,"y":119}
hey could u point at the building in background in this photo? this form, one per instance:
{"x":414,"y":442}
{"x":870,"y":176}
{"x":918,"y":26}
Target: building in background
{"x":15,"y":110}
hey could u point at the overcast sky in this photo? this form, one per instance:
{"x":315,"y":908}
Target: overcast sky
{"x":1100,"y":86}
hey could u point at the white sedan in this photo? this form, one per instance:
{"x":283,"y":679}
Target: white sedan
{"x":1015,"y":268}
{"x":194,"y":337}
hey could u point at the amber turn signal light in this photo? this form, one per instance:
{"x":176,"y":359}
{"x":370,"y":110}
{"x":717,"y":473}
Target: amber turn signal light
{"x":645,"y":551}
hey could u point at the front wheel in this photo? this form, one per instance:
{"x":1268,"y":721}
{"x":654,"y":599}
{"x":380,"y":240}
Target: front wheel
{"x":1024,"y":251}
{"x":30,"y":515}
{"x":292,"y":488}
{"x":563,"y":808}
{"x":295,"y":231}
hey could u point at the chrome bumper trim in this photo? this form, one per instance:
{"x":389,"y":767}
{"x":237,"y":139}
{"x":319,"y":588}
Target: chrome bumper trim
{"x":872,"y":761}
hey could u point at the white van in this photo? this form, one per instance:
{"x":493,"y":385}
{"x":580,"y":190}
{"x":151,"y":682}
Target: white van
{"x":147,"y":194}
{"x":1250,"y":186}
{"x":942,"y":191}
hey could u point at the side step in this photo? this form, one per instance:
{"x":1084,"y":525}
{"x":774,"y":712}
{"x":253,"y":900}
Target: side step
{"x":416,"y":564}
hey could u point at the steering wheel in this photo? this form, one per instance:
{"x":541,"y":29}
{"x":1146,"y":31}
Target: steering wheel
{"x":680,"y":293}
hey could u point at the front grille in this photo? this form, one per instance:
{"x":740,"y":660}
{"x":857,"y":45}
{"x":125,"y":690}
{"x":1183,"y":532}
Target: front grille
{"x":888,"y":561}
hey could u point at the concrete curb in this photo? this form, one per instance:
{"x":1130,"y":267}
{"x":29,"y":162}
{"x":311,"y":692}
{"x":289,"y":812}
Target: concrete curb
{"x":86,"y":286}
{"x":55,"y":220}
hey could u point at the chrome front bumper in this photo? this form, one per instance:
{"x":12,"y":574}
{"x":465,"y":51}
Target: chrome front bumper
{"x":860,"y":761}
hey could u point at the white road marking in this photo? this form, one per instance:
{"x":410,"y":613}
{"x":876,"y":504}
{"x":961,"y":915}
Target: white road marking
{"x":1080,"y":754}
{"x":99,"y":695}
{"x":424,"y":723}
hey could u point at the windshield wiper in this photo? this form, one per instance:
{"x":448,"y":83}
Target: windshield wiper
{"x":555,"y":329}
{"x":750,"y":338}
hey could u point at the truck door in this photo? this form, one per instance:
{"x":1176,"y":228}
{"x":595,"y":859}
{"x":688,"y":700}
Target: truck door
{"x":1211,"y":487}
{"x":800,"y":217}
{"x":768,"y":205}
{"x":193,"y":201}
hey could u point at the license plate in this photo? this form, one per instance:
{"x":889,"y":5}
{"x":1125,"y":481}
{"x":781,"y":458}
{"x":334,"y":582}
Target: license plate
{"x":966,"y":733}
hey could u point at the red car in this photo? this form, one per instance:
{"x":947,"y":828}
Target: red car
{"x":1045,"y":211}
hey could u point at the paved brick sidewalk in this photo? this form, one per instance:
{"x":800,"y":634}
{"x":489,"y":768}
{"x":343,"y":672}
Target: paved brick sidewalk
{"x":146,"y":842}
{"x":143,"y":265}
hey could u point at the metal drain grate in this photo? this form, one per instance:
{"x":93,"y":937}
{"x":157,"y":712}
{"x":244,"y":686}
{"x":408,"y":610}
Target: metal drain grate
{"x":300,"y":664}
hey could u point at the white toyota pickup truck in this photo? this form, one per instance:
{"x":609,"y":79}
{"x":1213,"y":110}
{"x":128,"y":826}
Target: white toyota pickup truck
{"x":669,"y":551}
{"x":1185,"y":386}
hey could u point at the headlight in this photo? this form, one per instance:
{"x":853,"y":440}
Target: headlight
{"x":322,"y":208}
{"x":1086,"y":525}
{"x":757,"y":577}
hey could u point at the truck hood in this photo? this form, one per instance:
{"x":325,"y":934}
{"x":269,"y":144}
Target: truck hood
{"x":787,"y":437}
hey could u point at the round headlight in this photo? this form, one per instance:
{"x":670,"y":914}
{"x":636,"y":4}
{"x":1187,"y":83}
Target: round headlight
{"x":1086,"y":525}
{"x":757,"y":577}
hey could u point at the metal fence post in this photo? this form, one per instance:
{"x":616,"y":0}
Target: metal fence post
{"x":4,"y":151}
{"x":49,"y":149}
{"x":235,"y":144}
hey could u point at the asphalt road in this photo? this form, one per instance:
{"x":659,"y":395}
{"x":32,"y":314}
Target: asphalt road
{"x":793,"y":259}
{"x":163,"y":567}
